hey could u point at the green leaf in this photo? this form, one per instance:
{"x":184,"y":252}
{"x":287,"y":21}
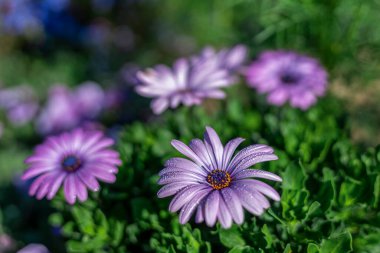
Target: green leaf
{"x":84,"y":219}
{"x":231,"y":237}
{"x":288,"y":249}
{"x":312,"y":248}
{"x":245,"y":249}
{"x":337,"y":243}
{"x":293,"y":177}
{"x":267,"y":235}
{"x":376,"y":191}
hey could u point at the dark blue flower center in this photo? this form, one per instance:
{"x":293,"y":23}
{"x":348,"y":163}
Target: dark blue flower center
{"x":71,"y":163}
{"x":290,"y":78}
{"x":219,"y":179}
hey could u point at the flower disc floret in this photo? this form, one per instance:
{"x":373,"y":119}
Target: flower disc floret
{"x":219,"y":179}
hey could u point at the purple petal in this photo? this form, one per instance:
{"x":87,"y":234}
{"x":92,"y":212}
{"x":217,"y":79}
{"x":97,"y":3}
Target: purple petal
{"x":81,"y":190}
{"x":229,"y":150}
{"x":45,"y":185}
{"x":182,"y":197}
{"x":171,"y":189}
{"x":262,"y":187}
{"x":248,"y":199}
{"x":100,"y":166}
{"x":185,"y":150}
{"x":200,"y":150}
{"x":34,"y":171}
{"x":213,"y":139}
{"x":159,"y":105}
{"x":104,"y":143}
{"x":199,"y":214}
{"x":37,"y":183}
{"x":211,"y":208}
{"x":189,"y":208}
{"x":252,"y":160}
{"x":55,"y":185}
{"x":90,"y":140}
{"x":102,"y":175}
{"x":185,"y":177}
{"x":247,"y":152}
{"x":89,"y":180}
{"x":224,"y":215}
{"x":211,"y":155}
{"x":233,"y":204}
{"x":70,"y":189}
{"x":185,"y":165}
{"x":256,"y":173}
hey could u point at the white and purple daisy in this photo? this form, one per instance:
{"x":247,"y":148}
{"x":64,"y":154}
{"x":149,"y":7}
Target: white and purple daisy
{"x":216,"y":184}
{"x":191,"y":81}
{"x":76,"y":159}
{"x":231,"y":59}
{"x":288,"y":76}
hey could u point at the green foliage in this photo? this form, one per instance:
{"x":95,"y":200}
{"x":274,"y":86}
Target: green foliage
{"x":329,"y":195}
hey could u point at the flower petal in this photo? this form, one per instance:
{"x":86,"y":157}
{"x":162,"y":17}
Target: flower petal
{"x":247,"y":152}
{"x":233,"y":204}
{"x":199,"y":217}
{"x":182,"y":197}
{"x":252,"y":160}
{"x":189,"y":208}
{"x":89,"y":180}
{"x":229,"y":150}
{"x":185,"y":177}
{"x":56,"y":184}
{"x":81,"y":189}
{"x":185,"y":150}
{"x":256,"y":173}
{"x":185,"y":165}
{"x":35,"y":171}
{"x":70,"y":189}
{"x":200,"y":150}
{"x":224,"y":215}
{"x":171,"y":189}
{"x":212,"y":208}
{"x":262,"y":187}
{"x":248,"y":199}
{"x":213,"y":139}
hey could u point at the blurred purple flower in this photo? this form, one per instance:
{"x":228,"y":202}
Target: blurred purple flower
{"x":90,"y":99}
{"x":216,"y":184}
{"x":34,"y":248}
{"x":19,"y":103}
{"x":76,"y":159}
{"x":19,"y":17}
{"x":186,"y":83}
{"x":67,"y":109}
{"x":231,"y":59}
{"x":7,"y":244}
{"x":288,"y":76}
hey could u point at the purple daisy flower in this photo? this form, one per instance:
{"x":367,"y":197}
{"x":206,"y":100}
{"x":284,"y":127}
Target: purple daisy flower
{"x":288,"y":76}
{"x":76,"y":159}
{"x":66,"y":109}
{"x":20,"y":103}
{"x":189,"y":82}
{"x":216,"y":184}
{"x":231,"y":59}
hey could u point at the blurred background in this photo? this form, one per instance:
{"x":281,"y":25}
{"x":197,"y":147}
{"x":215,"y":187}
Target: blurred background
{"x":56,"y":53}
